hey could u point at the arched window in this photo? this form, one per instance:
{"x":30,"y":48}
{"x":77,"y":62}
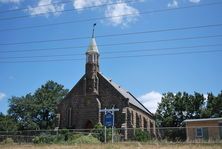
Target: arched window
{"x":132,"y":117}
{"x":97,"y":83}
{"x":69,"y":116}
{"x":145,"y":124}
{"x":151,"y":127}
{"x":89,"y":58}
{"x":93,"y":58}
{"x":137,"y":121}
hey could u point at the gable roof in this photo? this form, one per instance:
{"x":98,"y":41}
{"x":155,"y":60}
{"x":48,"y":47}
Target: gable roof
{"x":128,"y":95}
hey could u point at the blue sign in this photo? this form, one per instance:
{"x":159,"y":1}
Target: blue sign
{"x":109,"y":119}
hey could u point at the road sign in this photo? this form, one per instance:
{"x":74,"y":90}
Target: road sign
{"x":108,"y":119}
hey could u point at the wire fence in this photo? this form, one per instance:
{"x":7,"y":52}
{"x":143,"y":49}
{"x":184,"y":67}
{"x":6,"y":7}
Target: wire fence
{"x":210,"y":134}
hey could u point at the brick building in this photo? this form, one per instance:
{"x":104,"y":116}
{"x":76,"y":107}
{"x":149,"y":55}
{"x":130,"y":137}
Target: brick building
{"x":80,"y":108}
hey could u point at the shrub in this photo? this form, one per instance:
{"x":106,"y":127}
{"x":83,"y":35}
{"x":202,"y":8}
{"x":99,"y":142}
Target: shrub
{"x":65,"y":133}
{"x":89,"y":139}
{"x":64,"y":136}
{"x":141,"y":135}
{"x":74,"y":136}
{"x":47,"y":139}
{"x":8,"y":141}
{"x":99,"y":133}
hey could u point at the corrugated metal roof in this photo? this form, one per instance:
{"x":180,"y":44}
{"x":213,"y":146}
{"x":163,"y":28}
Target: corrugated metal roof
{"x":128,"y":95}
{"x":203,"y":119}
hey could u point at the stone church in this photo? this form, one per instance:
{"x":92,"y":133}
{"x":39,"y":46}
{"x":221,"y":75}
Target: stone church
{"x":80,"y":108}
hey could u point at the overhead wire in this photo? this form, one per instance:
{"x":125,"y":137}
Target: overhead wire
{"x":113,"y":35}
{"x":114,"y":44}
{"x":117,"y":57}
{"x":102,"y":18}
{"x":113,"y":52}
{"x":164,"y":54}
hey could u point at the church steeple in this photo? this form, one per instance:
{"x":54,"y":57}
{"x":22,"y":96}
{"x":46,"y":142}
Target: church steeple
{"x":92,"y":66}
{"x":92,"y":53}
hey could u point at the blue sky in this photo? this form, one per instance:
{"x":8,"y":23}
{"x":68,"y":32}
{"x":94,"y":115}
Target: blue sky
{"x":156,"y":70}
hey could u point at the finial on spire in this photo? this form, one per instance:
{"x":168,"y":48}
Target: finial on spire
{"x":93,"y":33}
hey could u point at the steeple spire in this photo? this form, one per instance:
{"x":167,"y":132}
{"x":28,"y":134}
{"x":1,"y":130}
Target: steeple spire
{"x":92,"y":46}
{"x":93,"y":33}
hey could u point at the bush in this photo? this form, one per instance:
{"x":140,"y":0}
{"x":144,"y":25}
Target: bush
{"x":48,"y":139}
{"x":141,"y":135}
{"x":8,"y":141}
{"x":64,"y":137}
{"x":89,"y":139}
{"x":65,"y":133}
{"x":74,"y":137}
{"x":99,"y":133}
{"x":44,"y":139}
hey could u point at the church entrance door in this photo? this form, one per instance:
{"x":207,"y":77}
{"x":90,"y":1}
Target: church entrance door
{"x":88,"y":125}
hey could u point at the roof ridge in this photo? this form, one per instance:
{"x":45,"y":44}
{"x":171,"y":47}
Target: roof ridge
{"x":139,"y":102}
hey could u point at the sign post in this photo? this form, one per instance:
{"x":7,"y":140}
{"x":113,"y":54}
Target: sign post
{"x":109,"y":118}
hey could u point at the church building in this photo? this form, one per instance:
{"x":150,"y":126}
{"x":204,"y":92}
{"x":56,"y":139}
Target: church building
{"x":80,"y":108}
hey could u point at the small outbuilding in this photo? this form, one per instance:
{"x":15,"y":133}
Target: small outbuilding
{"x":204,"y":129}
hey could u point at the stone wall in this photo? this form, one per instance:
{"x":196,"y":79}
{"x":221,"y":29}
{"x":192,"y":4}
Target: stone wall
{"x":136,"y":118}
{"x":80,"y":110}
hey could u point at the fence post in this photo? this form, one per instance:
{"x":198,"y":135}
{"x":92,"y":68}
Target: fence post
{"x":105,"y":135}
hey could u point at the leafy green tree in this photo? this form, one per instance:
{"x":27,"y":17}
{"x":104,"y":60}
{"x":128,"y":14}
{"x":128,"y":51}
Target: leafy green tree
{"x":38,"y":110}
{"x":196,"y":106}
{"x":47,"y":97}
{"x":214,"y":105}
{"x":23,"y":109}
{"x":165,"y":111}
{"x":7,"y":123}
{"x":174,"y":109}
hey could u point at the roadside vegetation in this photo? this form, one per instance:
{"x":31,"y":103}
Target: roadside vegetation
{"x":126,"y":145}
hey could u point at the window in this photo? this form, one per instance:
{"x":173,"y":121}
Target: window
{"x":199,"y":132}
{"x":93,"y":58}
{"x":132,"y":118}
{"x":89,"y":57}
{"x":220,"y":128}
{"x":69,"y":116}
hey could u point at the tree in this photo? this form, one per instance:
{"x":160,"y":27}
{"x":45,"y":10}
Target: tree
{"x":38,"y":110}
{"x":165,"y":111}
{"x":174,"y":109}
{"x":214,"y":105}
{"x":7,"y":123}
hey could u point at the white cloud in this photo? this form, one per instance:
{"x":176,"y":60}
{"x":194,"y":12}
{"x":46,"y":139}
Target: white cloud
{"x":150,"y":100}
{"x":112,"y":12}
{"x":11,"y":1}
{"x":173,"y":4}
{"x":2,"y":95}
{"x":116,"y":14}
{"x":53,"y":8}
{"x":88,"y":3}
{"x":194,"y":1}
{"x":205,"y":96}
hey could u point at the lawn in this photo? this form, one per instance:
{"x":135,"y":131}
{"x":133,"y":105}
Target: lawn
{"x":115,"y":146}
